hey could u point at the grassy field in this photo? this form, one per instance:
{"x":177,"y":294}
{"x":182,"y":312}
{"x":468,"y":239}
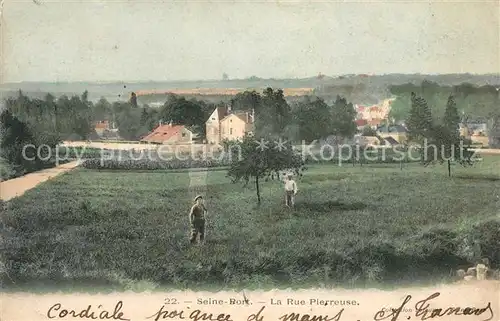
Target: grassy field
{"x":353,"y":226}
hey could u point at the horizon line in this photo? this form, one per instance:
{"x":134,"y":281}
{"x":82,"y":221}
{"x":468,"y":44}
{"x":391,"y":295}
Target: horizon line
{"x":247,"y":78}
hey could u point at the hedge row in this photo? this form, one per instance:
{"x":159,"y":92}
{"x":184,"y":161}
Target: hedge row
{"x":81,"y":152}
{"x":146,"y":164}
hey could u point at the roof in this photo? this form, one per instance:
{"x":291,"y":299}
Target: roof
{"x":368,"y":140}
{"x":361,"y":122}
{"x":222,"y":112}
{"x":375,"y":121}
{"x":391,"y":141}
{"x":163,"y":133}
{"x":241,"y":115}
{"x":245,"y":116}
{"x":103,"y":124}
{"x":392,"y":129}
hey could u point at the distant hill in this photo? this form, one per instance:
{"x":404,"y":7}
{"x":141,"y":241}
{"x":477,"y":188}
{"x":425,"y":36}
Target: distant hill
{"x":368,"y":88}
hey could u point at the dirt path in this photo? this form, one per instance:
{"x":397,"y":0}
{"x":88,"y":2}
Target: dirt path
{"x":17,"y":186}
{"x":486,"y":151}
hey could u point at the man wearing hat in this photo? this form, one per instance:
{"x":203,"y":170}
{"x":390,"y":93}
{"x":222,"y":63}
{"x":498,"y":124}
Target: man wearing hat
{"x":197,"y":220}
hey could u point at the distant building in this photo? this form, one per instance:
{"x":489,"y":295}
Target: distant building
{"x":378,"y":111}
{"x":235,"y":126}
{"x":101,"y":126}
{"x":478,"y":129}
{"x":213,"y":132}
{"x":393,"y":133}
{"x":464,"y":130}
{"x":222,"y":124}
{"x":365,"y":141}
{"x":361,"y":123}
{"x":375,"y":122}
{"x":106,"y":130}
{"x":169,"y":134}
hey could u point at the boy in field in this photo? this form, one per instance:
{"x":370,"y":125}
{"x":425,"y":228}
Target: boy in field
{"x":290,"y":191}
{"x":197,"y":220}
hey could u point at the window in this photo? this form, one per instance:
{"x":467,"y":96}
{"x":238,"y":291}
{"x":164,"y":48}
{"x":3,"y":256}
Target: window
{"x":230,"y":131}
{"x":213,"y":118}
{"x":183,"y":134}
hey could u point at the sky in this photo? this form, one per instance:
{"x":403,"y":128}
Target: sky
{"x":145,"y":40}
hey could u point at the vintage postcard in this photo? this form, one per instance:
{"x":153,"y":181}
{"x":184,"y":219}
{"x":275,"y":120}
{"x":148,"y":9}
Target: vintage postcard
{"x":250,"y":160}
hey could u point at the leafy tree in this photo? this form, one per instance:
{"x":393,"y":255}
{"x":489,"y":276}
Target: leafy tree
{"x":102,"y":110}
{"x":129,"y":122}
{"x":313,"y":119}
{"x":343,"y":118}
{"x":191,"y":113}
{"x":445,"y":146}
{"x":274,"y":114}
{"x":259,"y":162}
{"x":451,"y":118}
{"x":15,"y":135}
{"x":81,"y":122}
{"x":153,"y":117}
{"x":400,"y":108}
{"x":420,"y":119}
{"x":246,"y":101}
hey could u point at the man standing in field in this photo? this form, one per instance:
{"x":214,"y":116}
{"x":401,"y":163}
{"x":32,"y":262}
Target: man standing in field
{"x":290,"y":191}
{"x":197,"y":220}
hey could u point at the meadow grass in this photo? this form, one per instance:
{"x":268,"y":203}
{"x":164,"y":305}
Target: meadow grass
{"x":374,"y":225}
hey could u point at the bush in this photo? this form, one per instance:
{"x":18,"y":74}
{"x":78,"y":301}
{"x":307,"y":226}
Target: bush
{"x":6,"y":170}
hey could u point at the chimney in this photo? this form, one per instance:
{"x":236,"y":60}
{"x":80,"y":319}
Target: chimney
{"x":159,"y":122}
{"x":170,"y":123}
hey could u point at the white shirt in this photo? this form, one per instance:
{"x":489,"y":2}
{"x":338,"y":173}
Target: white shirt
{"x":290,"y":186}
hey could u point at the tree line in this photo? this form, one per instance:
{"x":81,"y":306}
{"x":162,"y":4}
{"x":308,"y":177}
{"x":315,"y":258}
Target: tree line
{"x":308,"y":119}
{"x":438,"y":139}
{"x":474,"y":103}
{"x":49,"y":121}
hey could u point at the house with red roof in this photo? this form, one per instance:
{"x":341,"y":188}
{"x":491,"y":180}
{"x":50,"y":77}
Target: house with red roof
{"x":101,"y":126}
{"x":169,"y":134}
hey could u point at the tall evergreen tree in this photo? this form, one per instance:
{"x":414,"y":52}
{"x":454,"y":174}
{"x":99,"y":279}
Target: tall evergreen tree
{"x":451,"y":118}
{"x":419,"y":122}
